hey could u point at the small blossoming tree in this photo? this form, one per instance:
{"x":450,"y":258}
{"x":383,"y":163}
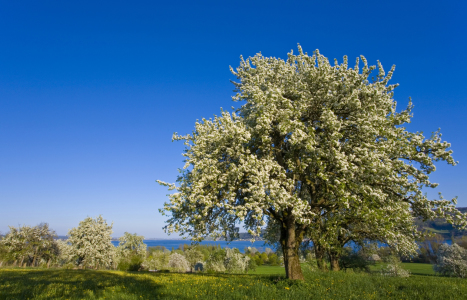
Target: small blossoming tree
{"x":131,"y":244}
{"x":91,"y":243}
{"x":311,"y":141}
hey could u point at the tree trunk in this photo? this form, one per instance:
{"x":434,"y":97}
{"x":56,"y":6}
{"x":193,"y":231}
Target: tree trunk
{"x":334,"y":258}
{"x":319,"y":253}
{"x":290,"y":242}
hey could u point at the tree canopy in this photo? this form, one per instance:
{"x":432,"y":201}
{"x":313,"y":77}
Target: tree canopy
{"x":319,"y":149}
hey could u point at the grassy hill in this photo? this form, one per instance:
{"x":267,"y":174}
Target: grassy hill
{"x":441,"y":227}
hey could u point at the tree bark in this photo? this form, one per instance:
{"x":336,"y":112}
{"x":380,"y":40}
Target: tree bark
{"x":334,"y":258}
{"x":319,"y":254}
{"x":290,"y":242}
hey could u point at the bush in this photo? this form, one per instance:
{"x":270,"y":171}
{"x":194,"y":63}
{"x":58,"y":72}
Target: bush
{"x":235,"y":262}
{"x":354,"y":260}
{"x":132,"y":263}
{"x":394,"y":268}
{"x":452,"y":261}
{"x":252,"y":265}
{"x":258,"y":260}
{"x":273,"y":259}
{"x":178,"y":262}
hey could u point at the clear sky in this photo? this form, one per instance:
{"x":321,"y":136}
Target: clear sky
{"x":91,"y":92}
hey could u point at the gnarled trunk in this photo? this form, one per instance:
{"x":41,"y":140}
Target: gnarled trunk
{"x":290,"y":242}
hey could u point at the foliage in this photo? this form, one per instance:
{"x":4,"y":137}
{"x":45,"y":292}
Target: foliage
{"x":193,"y":256}
{"x":157,"y":260}
{"x":91,"y":243}
{"x":317,"y":148}
{"x":451,"y":261}
{"x":355,"y":260}
{"x":133,"y":262}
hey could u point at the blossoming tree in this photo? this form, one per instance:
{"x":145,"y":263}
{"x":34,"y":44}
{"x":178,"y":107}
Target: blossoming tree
{"x":131,"y":244}
{"x":30,"y":244}
{"x":311,"y":139}
{"x":91,"y":243}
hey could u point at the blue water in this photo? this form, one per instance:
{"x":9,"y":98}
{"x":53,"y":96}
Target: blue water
{"x":240,"y":245}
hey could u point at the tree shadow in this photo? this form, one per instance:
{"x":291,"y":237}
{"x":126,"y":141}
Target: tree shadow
{"x":77,"y":284}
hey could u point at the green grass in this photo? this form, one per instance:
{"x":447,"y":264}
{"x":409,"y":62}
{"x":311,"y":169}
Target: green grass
{"x":89,"y":284}
{"x":269,"y":270}
{"x":419,"y":269}
{"x":414,"y":268}
{"x":440,"y":231}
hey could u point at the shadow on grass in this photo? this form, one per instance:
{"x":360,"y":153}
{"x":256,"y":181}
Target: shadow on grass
{"x":77,"y":284}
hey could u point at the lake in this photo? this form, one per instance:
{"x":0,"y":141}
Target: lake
{"x":240,"y":245}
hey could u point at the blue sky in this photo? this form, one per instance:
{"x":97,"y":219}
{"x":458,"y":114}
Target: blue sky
{"x":92,"y":91}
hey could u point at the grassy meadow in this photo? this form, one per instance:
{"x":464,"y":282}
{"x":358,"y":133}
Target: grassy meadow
{"x":265,"y":283}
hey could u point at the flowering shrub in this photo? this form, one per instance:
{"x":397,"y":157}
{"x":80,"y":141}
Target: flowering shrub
{"x":451,"y":261}
{"x":394,"y":268}
{"x":235,"y":262}
{"x":178,"y":262}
